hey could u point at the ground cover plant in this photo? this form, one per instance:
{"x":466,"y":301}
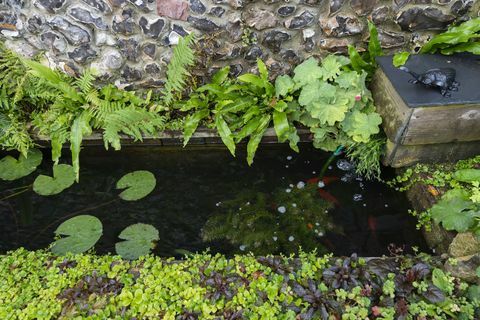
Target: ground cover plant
{"x":38,"y":285}
{"x":457,"y":187}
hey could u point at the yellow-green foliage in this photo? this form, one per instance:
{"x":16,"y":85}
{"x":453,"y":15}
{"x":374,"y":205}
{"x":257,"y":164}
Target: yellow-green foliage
{"x":38,"y":285}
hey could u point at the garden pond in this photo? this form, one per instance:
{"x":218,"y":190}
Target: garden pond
{"x":205,"y":198}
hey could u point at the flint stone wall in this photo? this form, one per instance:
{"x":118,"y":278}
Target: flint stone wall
{"x":129,"y":41}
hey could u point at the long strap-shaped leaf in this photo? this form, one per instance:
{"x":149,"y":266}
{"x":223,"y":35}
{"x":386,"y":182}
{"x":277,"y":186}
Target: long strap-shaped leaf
{"x":225,"y":133}
{"x":80,"y":128}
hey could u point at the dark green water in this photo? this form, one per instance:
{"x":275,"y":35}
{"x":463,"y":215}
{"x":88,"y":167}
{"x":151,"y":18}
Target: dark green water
{"x":205,"y":198}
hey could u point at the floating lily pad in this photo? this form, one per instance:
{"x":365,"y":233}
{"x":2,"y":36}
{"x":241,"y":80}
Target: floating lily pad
{"x":139,"y":238}
{"x":82,"y":233}
{"x":63,"y":177}
{"x":13,"y":169}
{"x":138,"y":184}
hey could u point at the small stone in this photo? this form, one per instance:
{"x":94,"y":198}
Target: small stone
{"x":301,"y":21}
{"x":235,"y":70}
{"x":217,"y":11}
{"x":274,"y":40}
{"x":363,"y":7}
{"x":253,"y":53}
{"x":104,"y":38}
{"x":149,"y":49}
{"x":335,"y":6}
{"x":290,"y":56}
{"x":461,"y":7}
{"x":35,"y":24}
{"x":235,"y":31}
{"x":86,"y":17}
{"x":345,"y":165}
{"x":124,"y":24}
{"x":311,"y":2}
{"x":8,"y":21}
{"x":197,"y":6}
{"x":260,"y":19}
{"x":151,"y":28}
{"x":74,"y":34}
{"x":174,"y":9}
{"x":381,"y":15}
{"x":286,"y":11}
{"x":464,"y":244}
{"x":341,"y":26}
{"x":390,"y":39}
{"x":141,"y":4}
{"x":335,"y":44}
{"x":129,"y":48}
{"x":53,"y":41}
{"x":464,"y":268}
{"x":173,"y":38}
{"x":429,"y":18}
{"x":82,"y":54}
{"x":236,"y":4}
{"x":357,"y":197}
{"x":308,"y":33}
{"x":50,"y":5}
{"x":203,"y":24}
{"x":99,"y":5}
{"x":112,"y":59}
{"x":180,"y":30}
{"x":131,"y":74}
{"x":309,"y":44}
{"x":282,"y":209}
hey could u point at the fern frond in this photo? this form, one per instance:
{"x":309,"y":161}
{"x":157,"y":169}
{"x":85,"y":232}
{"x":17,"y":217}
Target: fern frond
{"x":132,"y":121}
{"x":177,"y":69}
{"x":85,"y":82}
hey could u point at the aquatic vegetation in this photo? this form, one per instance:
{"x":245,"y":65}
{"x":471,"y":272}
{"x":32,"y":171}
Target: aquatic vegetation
{"x":138,"y":242}
{"x":82,"y":232}
{"x":207,"y":286}
{"x":457,"y":189}
{"x":137,"y":185}
{"x":63,"y":177}
{"x":13,"y":169}
{"x":271,"y":223}
{"x":366,"y":61}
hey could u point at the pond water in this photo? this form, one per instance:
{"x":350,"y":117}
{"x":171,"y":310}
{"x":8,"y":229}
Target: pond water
{"x":205,"y":198}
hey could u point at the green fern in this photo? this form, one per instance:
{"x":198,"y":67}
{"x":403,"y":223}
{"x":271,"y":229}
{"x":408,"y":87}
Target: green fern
{"x":177,"y":69}
{"x":131,"y":121}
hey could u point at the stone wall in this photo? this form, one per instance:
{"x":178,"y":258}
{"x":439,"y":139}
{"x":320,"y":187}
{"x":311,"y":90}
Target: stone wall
{"x":128,"y":41}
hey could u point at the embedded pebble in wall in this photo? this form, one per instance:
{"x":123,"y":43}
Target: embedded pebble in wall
{"x":53,"y":41}
{"x":335,"y":6}
{"x":274,"y":39}
{"x":217,"y":11}
{"x":141,"y":4}
{"x":428,"y":18}
{"x":203,"y":24}
{"x":124,"y":23}
{"x":286,"y":11}
{"x":260,"y":19}
{"x":35,"y":24}
{"x":85,"y":16}
{"x":197,"y":6}
{"x":173,"y":38}
{"x":74,"y":34}
{"x":152,"y":69}
{"x":99,"y":5}
{"x":301,"y":21}
{"x":102,"y":38}
{"x":151,"y":28}
{"x":82,"y":54}
{"x":341,"y":26}
{"x":253,"y":53}
{"x":49,"y":5}
{"x":149,"y":49}
{"x":129,"y":48}
{"x":131,"y":74}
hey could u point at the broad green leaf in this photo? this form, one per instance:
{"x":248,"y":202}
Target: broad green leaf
{"x":293,"y":139}
{"x":455,"y":211}
{"x":63,"y":177}
{"x":252,"y":79}
{"x":400,"y":58}
{"x":361,"y":126}
{"x":225,"y":133}
{"x":250,"y":127}
{"x":306,"y":72}
{"x":348,"y":79}
{"x":280,"y":123}
{"x":358,"y":64}
{"x":13,"y":169}
{"x":237,"y":105}
{"x":138,"y":184}
{"x":440,"y":280}
{"x":80,"y":128}
{"x":478,"y":274}
{"x":140,"y":240}
{"x":280,"y":106}
{"x":467,"y":175}
{"x":256,"y":138}
{"x":472,"y":47}
{"x":374,"y":46}
{"x":283,"y":85}
{"x":82,"y":233}
{"x":474,"y":292}
{"x":329,"y":112}
{"x":43,"y":72}
{"x":191,"y":123}
{"x":221,"y":75}
{"x":262,"y":69}
{"x":314,"y":91}
{"x":212,"y":88}
{"x":331,"y":67}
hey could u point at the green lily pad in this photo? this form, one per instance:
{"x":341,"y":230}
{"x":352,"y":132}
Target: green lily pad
{"x":63,"y":177}
{"x":13,"y":169}
{"x":138,"y":184}
{"x":82,"y":233}
{"x":139,"y":238}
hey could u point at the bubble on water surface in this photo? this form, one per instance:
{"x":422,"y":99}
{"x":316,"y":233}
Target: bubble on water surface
{"x":301,"y":185}
{"x":344,"y":165}
{"x":357,"y":197}
{"x":314,"y":172}
{"x":289,"y":158}
{"x":282,"y":209}
{"x":275,"y":238}
{"x":291,"y":238}
{"x":321,"y":184}
{"x":286,"y":166}
{"x":294,"y":205}
{"x":288,"y":190}
{"x":218,"y":204}
{"x":242,"y":247}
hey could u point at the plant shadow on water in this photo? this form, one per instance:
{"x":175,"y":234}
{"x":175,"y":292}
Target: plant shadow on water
{"x":205,"y":198}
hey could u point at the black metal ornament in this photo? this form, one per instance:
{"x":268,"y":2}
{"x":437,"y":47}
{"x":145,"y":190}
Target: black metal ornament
{"x":441,"y":78}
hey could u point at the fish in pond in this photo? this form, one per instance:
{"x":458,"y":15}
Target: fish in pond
{"x":441,"y":78}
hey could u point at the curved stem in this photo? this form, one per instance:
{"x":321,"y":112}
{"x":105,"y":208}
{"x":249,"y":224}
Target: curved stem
{"x":14,"y":194}
{"x":330,"y":160}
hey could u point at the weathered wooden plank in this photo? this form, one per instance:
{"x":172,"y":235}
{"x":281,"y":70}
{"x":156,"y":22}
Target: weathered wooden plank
{"x":397,"y":155}
{"x":390,"y":106}
{"x":443,"y":124}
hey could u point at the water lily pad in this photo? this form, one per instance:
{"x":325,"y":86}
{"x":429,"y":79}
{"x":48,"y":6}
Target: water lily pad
{"x":63,"y":177}
{"x":82,"y":233}
{"x":139,"y":238}
{"x":13,"y":169}
{"x":138,"y":184}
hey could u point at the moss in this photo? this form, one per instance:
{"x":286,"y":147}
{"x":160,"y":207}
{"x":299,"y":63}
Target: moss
{"x":38,"y":285}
